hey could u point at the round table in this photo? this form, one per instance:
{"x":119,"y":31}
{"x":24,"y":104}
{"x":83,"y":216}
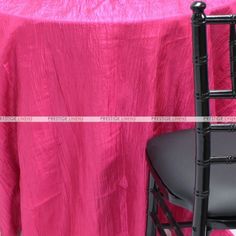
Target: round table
{"x":92,"y":58}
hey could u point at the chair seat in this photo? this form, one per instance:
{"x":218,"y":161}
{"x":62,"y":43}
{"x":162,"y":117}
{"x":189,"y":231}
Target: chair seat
{"x":173,"y":158}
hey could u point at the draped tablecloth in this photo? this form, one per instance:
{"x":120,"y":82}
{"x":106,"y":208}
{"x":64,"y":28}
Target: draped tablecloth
{"x":93,"y":58}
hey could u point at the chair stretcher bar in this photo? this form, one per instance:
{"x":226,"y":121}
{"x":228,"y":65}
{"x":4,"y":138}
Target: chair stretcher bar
{"x":223,"y":127}
{"x":222,"y":94}
{"x":223,"y":159}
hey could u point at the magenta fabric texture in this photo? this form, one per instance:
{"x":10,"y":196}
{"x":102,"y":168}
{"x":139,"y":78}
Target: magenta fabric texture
{"x":93,"y":58}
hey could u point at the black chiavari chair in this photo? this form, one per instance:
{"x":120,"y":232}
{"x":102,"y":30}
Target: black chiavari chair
{"x":196,"y":169}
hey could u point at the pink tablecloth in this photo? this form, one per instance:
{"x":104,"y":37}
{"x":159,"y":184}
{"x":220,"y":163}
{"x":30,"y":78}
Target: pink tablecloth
{"x":92,"y":58}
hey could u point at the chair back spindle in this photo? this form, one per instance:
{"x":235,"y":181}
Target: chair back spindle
{"x":202,"y":168}
{"x":232,"y":45}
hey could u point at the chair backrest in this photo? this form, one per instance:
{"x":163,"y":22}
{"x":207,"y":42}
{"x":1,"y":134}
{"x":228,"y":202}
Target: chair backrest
{"x":202,"y":97}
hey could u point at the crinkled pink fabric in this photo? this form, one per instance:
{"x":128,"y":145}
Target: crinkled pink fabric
{"x":93,"y":58}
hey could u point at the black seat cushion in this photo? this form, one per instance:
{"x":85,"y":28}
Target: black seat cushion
{"x":173,"y":157}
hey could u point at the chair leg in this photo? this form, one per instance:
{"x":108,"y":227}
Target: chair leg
{"x":208,"y":232}
{"x":152,"y":207}
{"x":167,"y":212}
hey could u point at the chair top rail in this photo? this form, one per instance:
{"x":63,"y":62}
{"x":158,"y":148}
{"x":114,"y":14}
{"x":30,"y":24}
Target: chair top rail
{"x":221,"y":19}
